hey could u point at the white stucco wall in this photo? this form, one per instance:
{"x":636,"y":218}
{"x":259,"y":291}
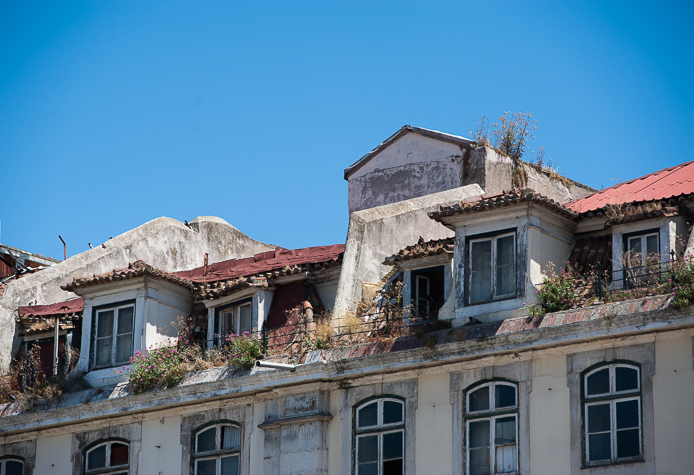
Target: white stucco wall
{"x":54,"y":455}
{"x":161,"y":452}
{"x":434,"y":425}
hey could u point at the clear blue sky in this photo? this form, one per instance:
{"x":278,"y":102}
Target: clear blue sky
{"x":113,"y":113}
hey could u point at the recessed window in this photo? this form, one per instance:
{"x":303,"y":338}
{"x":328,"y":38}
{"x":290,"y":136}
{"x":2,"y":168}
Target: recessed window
{"x":217,"y":450}
{"x":111,"y":458}
{"x":380,"y":437}
{"x":492,"y":429}
{"x":492,"y":268}
{"x":428,"y":291}
{"x":11,"y":466}
{"x":113,"y":335}
{"x":235,"y":320}
{"x":643,"y":250}
{"x":612,"y":412}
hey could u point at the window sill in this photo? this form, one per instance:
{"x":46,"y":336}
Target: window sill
{"x":500,"y":299}
{"x":632,"y":460}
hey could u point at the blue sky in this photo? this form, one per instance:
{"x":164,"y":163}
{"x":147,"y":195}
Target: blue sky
{"x":115,"y":113}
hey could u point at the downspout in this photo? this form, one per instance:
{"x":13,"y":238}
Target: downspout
{"x":55,"y":346}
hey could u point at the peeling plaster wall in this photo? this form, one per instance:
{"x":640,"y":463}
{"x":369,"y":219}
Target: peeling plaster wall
{"x":164,"y":243}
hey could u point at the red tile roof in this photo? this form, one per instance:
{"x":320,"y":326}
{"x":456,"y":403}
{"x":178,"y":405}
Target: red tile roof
{"x":135,"y":269}
{"x":263,"y":262}
{"x":668,"y":183}
{"x":422,"y":249}
{"x":60,"y":308}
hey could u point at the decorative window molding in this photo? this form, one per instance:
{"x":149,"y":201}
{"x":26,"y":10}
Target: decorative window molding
{"x":113,"y":330}
{"x":491,"y":268}
{"x":217,"y":449}
{"x":110,"y":457}
{"x":379,"y":436}
{"x":11,"y":466}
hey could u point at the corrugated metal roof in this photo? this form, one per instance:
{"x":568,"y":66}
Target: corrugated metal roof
{"x":60,"y":308}
{"x":661,"y":185}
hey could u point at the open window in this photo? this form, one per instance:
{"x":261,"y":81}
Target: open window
{"x":11,"y":466}
{"x":217,"y":450}
{"x":428,"y":291}
{"x":379,"y":437}
{"x":112,"y":330}
{"x":111,"y":457}
{"x":641,"y":257}
{"x":234,"y":319}
{"x":492,"y":267}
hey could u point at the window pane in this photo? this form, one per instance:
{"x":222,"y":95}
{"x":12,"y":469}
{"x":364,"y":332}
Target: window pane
{"x":628,"y":443}
{"x":392,"y":467}
{"x":124,"y":346}
{"x":206,"y":467}
{"x":627,"y":414}
{"x":505,"y":396}
{"x":505,"y":280}
{"x":598,"y":418}
{"x":506,"y":459}
{"x":481,"y":277}
{"x":479,"y":462}
{"x":104,"y":351}
{"x":635,"y":259}
{"x":227,"y":322}
{"x":505,"y":430}
{"x":119,"y":455}
{"x":392,"y":412}
{"x":479,"y":400}
{"x":368,"y":415}
{"x":96,"y":458}
{"x":392,"y":445}
{"x":481,"y":255}
{"x":206,"y":440}
{"x":479,"y":434}
{"x":422,"y":287}
{"x":13,"y":467}
{"x":230,"y":465}
{"x":367,"y":448}
{"x":627,"y":378}
{"x":652,"y":245}
{"x":367,"y":468}
{"x":125,"y":320}
{"x":104,"y":324}
{"x":599,"y":447}
{"x":504,"y":251}
{"x":244,"y":319}
{"x":231,"y":437}
{"x":481,"y":286}
{"x":599,"y":383}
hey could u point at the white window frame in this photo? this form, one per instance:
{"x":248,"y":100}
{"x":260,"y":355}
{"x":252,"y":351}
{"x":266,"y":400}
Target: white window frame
{"x":491,"y":415}
{"x":118,"y":469}
{"x":612,"y":397}
{"x":493,"y":267}
{"x":218,"y":453}
{"x":4,"y":461}
{"x":380,"y":429}
{"x":235,"y":312}
{"x":644,"y":251}
{"x":114,"y":336}
{"x":426,"y":279}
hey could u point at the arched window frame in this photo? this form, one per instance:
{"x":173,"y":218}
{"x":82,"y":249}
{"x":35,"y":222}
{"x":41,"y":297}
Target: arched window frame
{"x":123,"y":469}
{"x":218,"y":453}
{"x":492,"y":414}
{"x":10,"y":458}
{"x":612,"y":398}
{"x":380,"y":429}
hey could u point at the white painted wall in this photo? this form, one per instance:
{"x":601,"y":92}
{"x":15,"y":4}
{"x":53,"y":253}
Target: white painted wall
{"x":434,"y":425}
{"x":54,"y":455}
{"x":160,"y":450}
{"x":257,"y":440}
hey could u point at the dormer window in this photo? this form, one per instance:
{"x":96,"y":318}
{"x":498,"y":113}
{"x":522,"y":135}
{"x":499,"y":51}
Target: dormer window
{"x":234,"y":319}
{"x":643,"y":249}
{"x":492,"y":269}
{"x":113,"y":335}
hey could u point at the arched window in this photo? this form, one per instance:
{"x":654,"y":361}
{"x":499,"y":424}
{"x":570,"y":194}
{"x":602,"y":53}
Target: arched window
{"x":111,"y":457}
{"x":217,"y":450}
{"x":380,"y":437}
{"x":491,"y":422}
{"x":612,"y":413}
{"x":11,"y":466}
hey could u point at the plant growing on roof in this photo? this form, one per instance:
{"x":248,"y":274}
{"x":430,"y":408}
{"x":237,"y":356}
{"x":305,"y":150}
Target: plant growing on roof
{"x":158,"y":368}
{"x":558,"y":291}
{"x":244,"y":349}
{"x":683,"y":282}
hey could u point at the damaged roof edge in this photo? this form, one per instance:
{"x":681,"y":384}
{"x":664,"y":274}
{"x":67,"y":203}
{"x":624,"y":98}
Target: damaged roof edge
{"x":456,"y":139}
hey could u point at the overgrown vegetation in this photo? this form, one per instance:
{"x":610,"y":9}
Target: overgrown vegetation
{"x":683,"y":282}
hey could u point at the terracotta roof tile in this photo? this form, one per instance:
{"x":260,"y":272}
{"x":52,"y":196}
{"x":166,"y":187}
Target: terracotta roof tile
{"x":422,"y":249}
{"x":135,"y":269}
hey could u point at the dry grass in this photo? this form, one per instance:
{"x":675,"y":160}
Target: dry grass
{"x":324,"y":330}
{"x":624,"y":211}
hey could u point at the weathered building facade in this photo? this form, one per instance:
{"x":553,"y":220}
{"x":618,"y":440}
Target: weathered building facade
{"x":469,"y":381}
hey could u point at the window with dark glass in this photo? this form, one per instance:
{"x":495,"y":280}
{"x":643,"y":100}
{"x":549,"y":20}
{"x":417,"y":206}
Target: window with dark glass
{"x":491,"y":421}
{"x":113,"y":335}
{"x":217,"y":450}
{"x":11,"y":466}
{"x":427,"y":290}
{"x":380,"y":437}
{"x":112,"y":457}
{"x":612,"y":413}
{"x":492,"y":268}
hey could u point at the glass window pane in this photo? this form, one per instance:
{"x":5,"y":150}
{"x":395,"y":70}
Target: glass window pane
{"x":628,"y":444}
{"x":481,"y":286}
{"x":392,"y":467}
{"x":206,"y":467}
{"x":227,"y":322}
{"x":505,"y":280}
{"x":504,"y":251}
{"x":367,"y":468}
{"x":599,"y":418}
{"x":652,"y":245}
{"x":479,"y":400}
{"x":231,"y":437}
{"x":506,"y":459}
{"x":392,"y":445}
{"x":599,"y":382}
{"x":124,"y":347}
{"x":244,"y":318}
{"x":125,"y":320}
{"x":14,"y":467}
{"x":230,"y":465}
{"x":367,"y":448}
{"x":96,"y":458}
{"x":422,"y":287}
{"x":479,"y":462}
{"x":481,"y":277}
{"x":505,"y":396}
{"x":392,"y":412}
{"x":104,"y":351}
{"x":635,"y":258}
{"x":119,"y":454}
{"x":206,"y":440}
{"x":505,"y":430}
{"x":104,"y":324}
{"x":367,"y":415}
{"x":627,"y":379}
{"x":481,"y":255}
{"x":479,"y":434}
{"x":599,"y":447}
{"x":627,"y":414}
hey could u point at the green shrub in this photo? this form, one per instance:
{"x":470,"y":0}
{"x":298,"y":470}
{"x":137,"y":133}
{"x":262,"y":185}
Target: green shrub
{"x":244,"y":349}
{"x":683,"y":282}
{"x":558,"y":291}
{"x":157,"y":368}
